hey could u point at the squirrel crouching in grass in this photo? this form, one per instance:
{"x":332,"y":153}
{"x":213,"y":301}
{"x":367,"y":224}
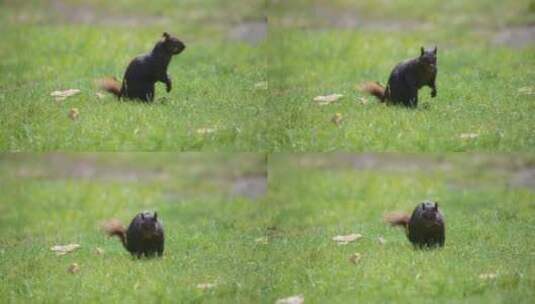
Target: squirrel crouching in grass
{"x":406,"y":79}
{"x":425,"y":228}
{"x":144,"y":235}
{"x":145,"y":70}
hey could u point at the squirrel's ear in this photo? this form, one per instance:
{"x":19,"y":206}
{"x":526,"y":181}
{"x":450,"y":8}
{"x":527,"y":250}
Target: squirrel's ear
{"x":436,"y":206}
{"x":155,"y":215}
{"x":165,"y":35}
{"x":422,"y":51}
{"x":435,"y":50}
{"x":142,"y":216}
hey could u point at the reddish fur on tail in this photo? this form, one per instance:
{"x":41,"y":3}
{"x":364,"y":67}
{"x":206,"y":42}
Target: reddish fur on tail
{"x":398,"y":219}
{"x":375,"y":89}
{"x":111,"y":85}
{"x":114,"y":227}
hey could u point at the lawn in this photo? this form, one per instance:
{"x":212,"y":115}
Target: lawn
{"x":486,"y":64}
{"x":487,"y":201}
{"x":211,"y":222}
{"x":218,"y":81}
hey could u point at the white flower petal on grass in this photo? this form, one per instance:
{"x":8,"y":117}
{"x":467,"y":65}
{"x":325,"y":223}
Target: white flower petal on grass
{"x":327,"y":99}
{"x":381,"y":240}
{"x":64,"y":249}
{"x":299,"y":299}
{"x":346,"y":239}
{"x":61,"y":95}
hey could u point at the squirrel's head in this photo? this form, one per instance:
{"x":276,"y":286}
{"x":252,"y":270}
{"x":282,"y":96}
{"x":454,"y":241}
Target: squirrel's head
{"x":148,"y":223}
{"x":429,"y":209}
{"x":172,"y":44}
{"x":429,"y":57}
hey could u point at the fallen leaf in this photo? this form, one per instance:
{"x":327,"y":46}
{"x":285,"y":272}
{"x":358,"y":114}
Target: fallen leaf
{"x":262,"y":240}
{"x":299,"y":299}
{"x":136,"y":131}
{"x":206,"y":285}
{"x":469,"y":135}
{"x":363,"y":100}
{"x":262,"y":85}
{"x":381,"y":240}
{"x":337,"y":119}
{"x":346,"y":239}
{"x":205,"y":130}
{"x":355,"y":258}
{"x":488,"y":276}
{"x":327,"y":99}
{"x":64,"y":249}
{"x":526,"y":91}
{"x":61,"y":95}
{"x":73,"y":268}
{"x":100,"y":95}
{"x":74,"y":113}
{"x":99,"y":251}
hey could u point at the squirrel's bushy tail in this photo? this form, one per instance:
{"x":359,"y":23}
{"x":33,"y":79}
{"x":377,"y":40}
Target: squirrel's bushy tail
{"x":375,"y":89}
{"x":114,"y":227}
{"x":111,"y":85}
{"x":398,"y":219}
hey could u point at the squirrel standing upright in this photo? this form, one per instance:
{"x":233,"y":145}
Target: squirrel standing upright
{"x":425,"y":228}
{"x":145,"y":70}
{"x":406,"y":79}
{"x":144,"y":235}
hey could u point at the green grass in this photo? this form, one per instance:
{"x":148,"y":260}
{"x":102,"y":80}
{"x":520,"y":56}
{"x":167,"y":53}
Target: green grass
{"x":489,"y":222}
{"x":316,"y":51}
{"x":213,"y":79}
{"x":59,"y":199}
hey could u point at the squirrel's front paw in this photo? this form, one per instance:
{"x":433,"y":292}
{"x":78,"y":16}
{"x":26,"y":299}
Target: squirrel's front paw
{"x":168,"y":87}
{"x":433,"y":93}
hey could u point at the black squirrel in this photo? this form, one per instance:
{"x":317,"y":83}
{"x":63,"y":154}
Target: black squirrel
{"x":406,"y":79}
{"x":144,"y":236}
{"x":425,"y":228}
{"x":145,"y":70}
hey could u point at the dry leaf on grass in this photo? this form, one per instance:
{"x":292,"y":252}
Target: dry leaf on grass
{"x":262,"y":85}
{"x":74,"y":113}
{"x":363,"y":100}
{"x":346,"y":239}
{"x":526,"y":90}
{"x":99,"y":251}
{"x":203,"y":131}
{"x":381,"y":240}
{"x":355,"y":258}
{"x":469,"y":135}
{"x":64,"y":249}
{"x":100,"y":95}
{"x":61,"y":95}
{"x":73,"y":268}
{"x":262,"y":240}
{"x":205,"y":286}
{"x":337,"y":119}
{"x":327,"y":99}
{"x":488,"y":276}
{"x":299,"y":299}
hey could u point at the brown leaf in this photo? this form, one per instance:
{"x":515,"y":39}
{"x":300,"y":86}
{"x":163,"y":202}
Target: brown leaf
{"x":74,"y":113}
{"x":337,"y":119}
{"x":73,"y":268}
{"x":299,"y":299}
{"x":64,"y":249}
{"x":355,"y":258}
{"x":346,"y":239}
